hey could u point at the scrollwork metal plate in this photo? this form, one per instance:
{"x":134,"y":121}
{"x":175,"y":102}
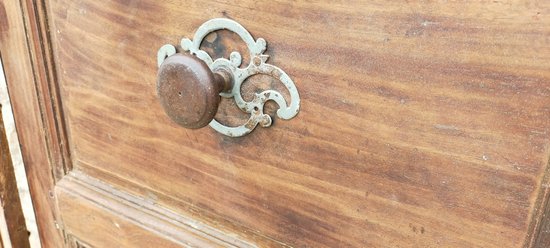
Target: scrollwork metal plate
{"x":256,"y":66}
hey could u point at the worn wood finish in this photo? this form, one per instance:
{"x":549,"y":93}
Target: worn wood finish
{"x":25,"y":56}
{"x":184,"y":210}
{"x":44,"y":73}
{"x":99,"y":216}
{"x":420,"y":125}
{"x":9,"y":197}
{"x":191,"y":98}
{"x":541,"y":239}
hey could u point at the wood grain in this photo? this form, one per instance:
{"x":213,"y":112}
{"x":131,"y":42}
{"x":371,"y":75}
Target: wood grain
{"x":9,"y":196}
{"x":46,"y":84}
{"x":420,"y":125}
{"x":22,"y":50}
{"x":101,"y":216}
{"x":541,"y":237}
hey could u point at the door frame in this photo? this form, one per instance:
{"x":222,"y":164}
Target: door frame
{"x":28,"y":66}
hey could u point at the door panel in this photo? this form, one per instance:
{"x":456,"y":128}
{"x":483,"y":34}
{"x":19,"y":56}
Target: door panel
{"x":420,"y":125}
{"x":99,"y":215}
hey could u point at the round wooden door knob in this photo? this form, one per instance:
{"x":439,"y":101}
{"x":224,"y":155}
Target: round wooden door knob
{"x":189,"y":91}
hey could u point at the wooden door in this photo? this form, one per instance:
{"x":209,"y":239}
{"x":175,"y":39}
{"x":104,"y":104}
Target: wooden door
{"x":421,"y":125}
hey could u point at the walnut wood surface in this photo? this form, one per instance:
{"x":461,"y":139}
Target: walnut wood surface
{"x":421,"y":124}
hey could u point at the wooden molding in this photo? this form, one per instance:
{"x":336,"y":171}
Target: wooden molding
{"x":26,"y":57}
{"x":42,"y":59}
{"x":74,"y":242}
{"x":540,"y":237}
{"x":102,"y":216}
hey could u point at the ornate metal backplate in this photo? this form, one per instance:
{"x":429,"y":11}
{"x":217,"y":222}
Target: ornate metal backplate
{"x":257,"y":65}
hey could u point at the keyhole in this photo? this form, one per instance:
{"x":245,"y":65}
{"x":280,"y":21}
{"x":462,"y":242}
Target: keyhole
{"x":179,"y":93}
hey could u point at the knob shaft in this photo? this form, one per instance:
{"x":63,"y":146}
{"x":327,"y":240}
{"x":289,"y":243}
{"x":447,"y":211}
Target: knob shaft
{"x":189,"y":91}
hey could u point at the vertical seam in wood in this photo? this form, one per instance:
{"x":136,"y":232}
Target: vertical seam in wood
{"x":60,"y":123}
{"x":538,"y":219}
{"x":63,"y":164}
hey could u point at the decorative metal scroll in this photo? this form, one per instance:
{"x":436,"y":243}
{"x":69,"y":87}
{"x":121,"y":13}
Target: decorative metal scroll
{"x":257,"y":65}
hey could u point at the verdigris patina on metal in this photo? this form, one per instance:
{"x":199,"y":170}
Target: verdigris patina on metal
{"x":231,"y":71}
